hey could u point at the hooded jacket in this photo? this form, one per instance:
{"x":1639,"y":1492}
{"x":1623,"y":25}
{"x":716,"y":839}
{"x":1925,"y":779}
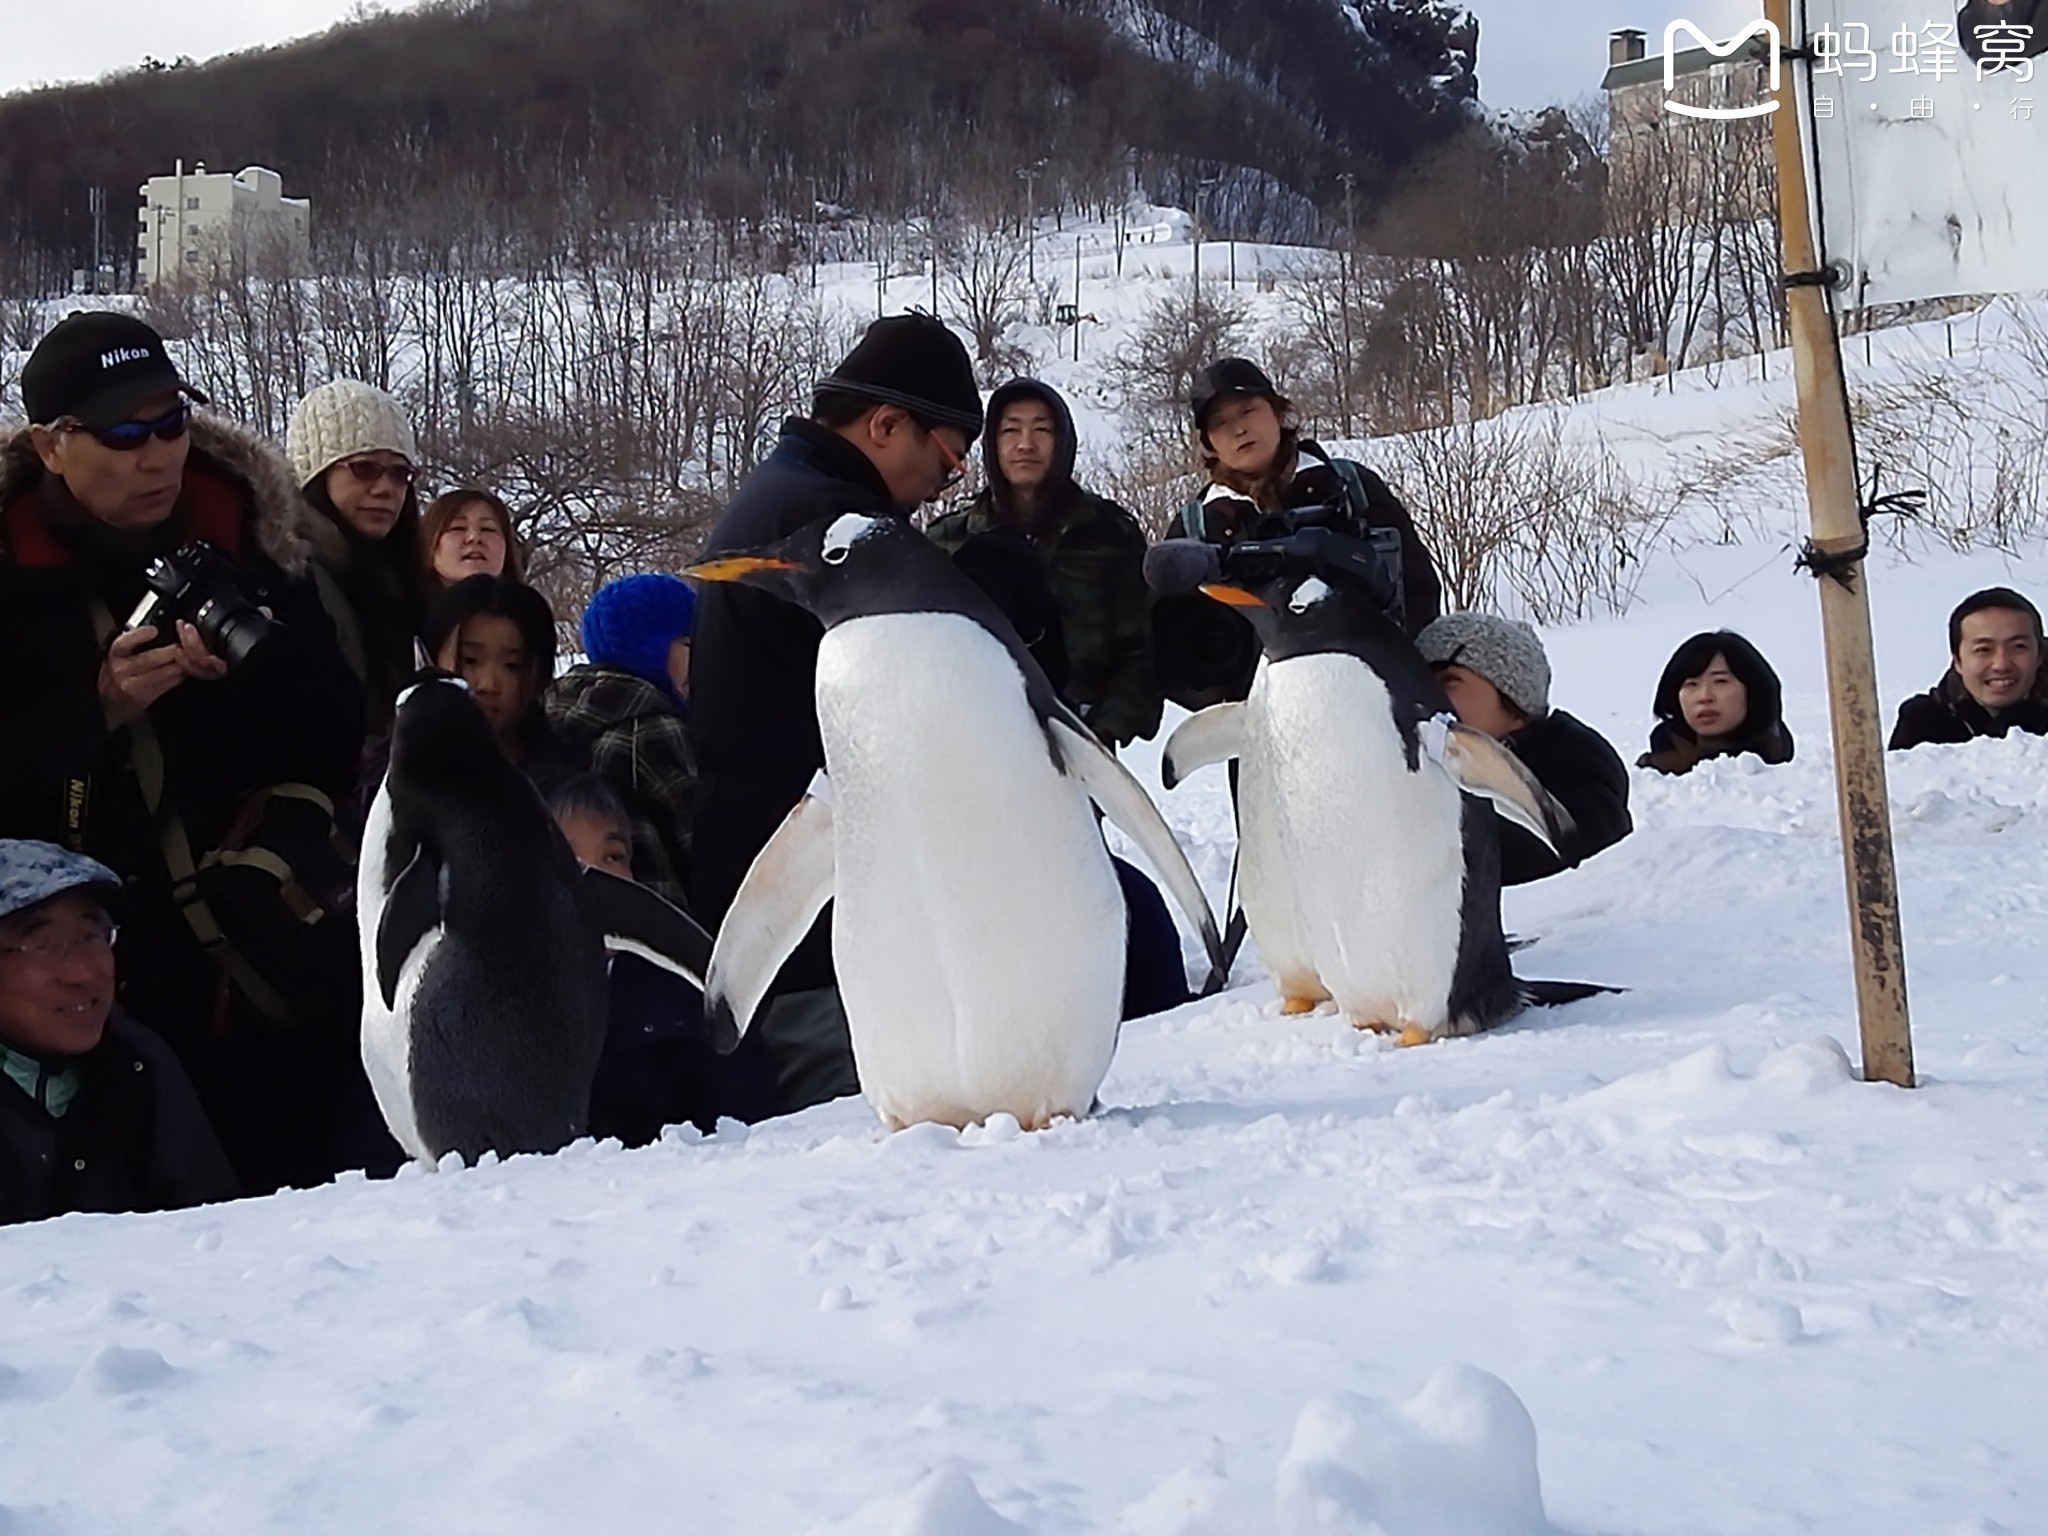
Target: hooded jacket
{"x":1675,"y":749}
{"x":1946,"y":713}
{"x":1093,"y":555}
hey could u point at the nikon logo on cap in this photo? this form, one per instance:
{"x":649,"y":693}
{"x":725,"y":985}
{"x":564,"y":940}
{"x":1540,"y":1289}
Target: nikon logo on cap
{"x":120,"y":355}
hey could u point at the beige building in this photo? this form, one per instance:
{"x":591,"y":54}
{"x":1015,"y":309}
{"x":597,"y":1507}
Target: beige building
{"x":196,"y":225}
{"x":1717,"y":166}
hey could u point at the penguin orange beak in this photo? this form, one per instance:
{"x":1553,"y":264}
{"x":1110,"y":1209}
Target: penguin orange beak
{"x":1236,"y":597}
{"x":737,"y":567}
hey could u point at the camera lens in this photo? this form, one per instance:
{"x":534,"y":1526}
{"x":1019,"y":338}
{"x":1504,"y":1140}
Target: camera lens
{"x":232,"y":631}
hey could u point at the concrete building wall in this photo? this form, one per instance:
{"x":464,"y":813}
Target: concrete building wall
{"x":196,"y":225}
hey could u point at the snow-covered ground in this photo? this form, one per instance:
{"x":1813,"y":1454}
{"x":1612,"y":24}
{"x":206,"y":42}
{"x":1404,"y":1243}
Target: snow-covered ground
{"x":1661,"y":1247}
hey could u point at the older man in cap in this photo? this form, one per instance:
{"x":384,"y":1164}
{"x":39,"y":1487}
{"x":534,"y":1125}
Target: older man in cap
{"x":199,"y":759}
{"x":889,"y":429}
{"x":95,"y":1112}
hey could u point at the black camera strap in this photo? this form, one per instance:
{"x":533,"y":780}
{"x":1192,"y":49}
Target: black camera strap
{"x":146,"y":758}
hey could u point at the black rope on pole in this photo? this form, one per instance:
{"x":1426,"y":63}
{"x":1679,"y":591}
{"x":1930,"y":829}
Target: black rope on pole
{"x":1841,"y":564}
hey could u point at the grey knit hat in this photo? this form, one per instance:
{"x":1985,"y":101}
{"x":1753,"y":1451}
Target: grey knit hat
{"x":340,"y":420}
{"x":1506,"y":652}
{"x":33,"y":872}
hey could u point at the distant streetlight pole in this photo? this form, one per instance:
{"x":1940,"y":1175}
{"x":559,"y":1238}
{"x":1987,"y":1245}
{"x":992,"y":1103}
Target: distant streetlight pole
{"x":1029,"y":176}
{"x":1344,"y":260}
{"x":1201,"y":190}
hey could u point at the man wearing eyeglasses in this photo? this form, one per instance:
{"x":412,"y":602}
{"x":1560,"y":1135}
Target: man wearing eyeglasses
{"x":145,"y":750}
{"x":95,"y":1112}
{"x":889,"y":429}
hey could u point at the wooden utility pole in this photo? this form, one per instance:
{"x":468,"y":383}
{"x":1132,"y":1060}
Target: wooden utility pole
{"x":1838,"y":530}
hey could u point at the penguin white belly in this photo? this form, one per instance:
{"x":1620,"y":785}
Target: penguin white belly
{"x":387,"y":1032}
{"x":1354,"y":861}
{"x":978,"y":928}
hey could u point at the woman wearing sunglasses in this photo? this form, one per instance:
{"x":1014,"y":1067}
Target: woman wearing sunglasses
{"x":353,"y":453}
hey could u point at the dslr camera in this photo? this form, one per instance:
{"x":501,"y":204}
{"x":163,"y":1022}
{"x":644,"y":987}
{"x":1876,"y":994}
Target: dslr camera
{"x":201,"y":586}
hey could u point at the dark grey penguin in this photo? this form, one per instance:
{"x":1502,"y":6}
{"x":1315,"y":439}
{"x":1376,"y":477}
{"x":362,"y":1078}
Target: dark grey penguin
{"x":483,"y":943}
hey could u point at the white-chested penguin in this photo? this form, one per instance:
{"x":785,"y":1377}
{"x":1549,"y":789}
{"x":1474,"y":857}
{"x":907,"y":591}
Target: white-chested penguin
{"x":1369,"y":864}
{"x":483,"y":943}
{"x":978,"y":930}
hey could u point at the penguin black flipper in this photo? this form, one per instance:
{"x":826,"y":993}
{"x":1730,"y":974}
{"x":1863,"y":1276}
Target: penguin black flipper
{"x":1124,"y":801}
{"x":1555,"y":994}
{"x":785,"y":889}
{"x":412,"y":910}
{"x":637,"y":921}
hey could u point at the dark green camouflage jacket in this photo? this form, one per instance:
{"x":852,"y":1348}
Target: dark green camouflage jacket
{"x":1094,"y":557}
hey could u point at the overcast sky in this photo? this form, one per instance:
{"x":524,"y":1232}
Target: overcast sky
{"x":1531,"y":52}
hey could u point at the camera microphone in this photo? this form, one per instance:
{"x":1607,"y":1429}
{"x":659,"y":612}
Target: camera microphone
{"x":1179,"y":566}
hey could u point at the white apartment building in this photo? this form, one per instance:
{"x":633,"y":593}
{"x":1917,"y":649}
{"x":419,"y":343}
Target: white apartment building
{"x":194,"y":225}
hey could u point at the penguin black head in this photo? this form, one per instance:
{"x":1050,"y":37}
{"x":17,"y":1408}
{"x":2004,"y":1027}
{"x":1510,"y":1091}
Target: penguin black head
{"x":440,"y":737}
{"x":846,"y":566}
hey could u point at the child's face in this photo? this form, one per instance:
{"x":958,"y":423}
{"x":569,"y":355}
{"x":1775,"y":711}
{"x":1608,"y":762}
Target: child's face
{"x":598,"y":842}
{"x":488,"y":654}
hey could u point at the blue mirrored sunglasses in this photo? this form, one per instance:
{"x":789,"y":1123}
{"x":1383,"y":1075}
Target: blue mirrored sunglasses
{"x":124,"y":436}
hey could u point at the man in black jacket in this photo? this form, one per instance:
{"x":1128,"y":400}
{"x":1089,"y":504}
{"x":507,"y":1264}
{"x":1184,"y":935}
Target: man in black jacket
{"x":95,"y":1113}
{"x":1498,"y":680}
{"x":1993,"y":685}
{"x":888,"y":430}
{"x":148,"y":751}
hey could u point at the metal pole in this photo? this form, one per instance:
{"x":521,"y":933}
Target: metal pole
{"x":1344,"y":274}
{"x":1077,"y":298}
{"x":1832,"y":505}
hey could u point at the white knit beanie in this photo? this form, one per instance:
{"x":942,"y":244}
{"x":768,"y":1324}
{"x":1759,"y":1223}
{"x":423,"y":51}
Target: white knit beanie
{"x":1506,"y":652}
{"x":342,"y":419}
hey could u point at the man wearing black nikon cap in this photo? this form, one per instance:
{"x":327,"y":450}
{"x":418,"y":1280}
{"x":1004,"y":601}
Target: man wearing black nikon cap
{"x":148,"y":751}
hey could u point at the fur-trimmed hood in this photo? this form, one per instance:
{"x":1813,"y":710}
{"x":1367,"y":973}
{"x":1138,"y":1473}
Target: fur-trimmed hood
{"x":285,"y":526}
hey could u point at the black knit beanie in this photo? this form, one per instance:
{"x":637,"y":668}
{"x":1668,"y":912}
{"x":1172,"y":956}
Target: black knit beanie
{"x":915,"y":362}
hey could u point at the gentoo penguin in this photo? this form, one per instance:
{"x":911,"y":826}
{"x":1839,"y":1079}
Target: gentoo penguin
{"x":978,"y":930}
{"x":1369,"y":864}
{"x":483,"y":943}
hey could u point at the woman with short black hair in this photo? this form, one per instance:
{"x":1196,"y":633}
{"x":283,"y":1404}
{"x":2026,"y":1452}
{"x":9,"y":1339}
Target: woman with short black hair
{"x":1266,"y":479}
{"x":1718,"y":697}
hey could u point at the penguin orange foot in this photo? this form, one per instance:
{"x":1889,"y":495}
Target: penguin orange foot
{"x":1290,"y":1006}
{"x":1414,"y":1034}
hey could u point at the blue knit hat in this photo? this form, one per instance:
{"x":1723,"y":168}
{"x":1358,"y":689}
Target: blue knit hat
{"x":631,"y":623}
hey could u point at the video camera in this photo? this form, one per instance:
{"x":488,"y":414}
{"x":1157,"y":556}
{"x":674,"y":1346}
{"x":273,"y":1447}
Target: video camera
{"x":1295,"y":543}
{"x":203,"y":587}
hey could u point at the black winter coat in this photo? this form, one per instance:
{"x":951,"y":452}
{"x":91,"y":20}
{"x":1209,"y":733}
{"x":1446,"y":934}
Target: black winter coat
{"x":133,"y":1139}
{"x":753,"y":673}
{"x":1586,"y":776}
{"x":1674,"y":749}
{"x":1947,"y":714}
{"x":658,"y":1068}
